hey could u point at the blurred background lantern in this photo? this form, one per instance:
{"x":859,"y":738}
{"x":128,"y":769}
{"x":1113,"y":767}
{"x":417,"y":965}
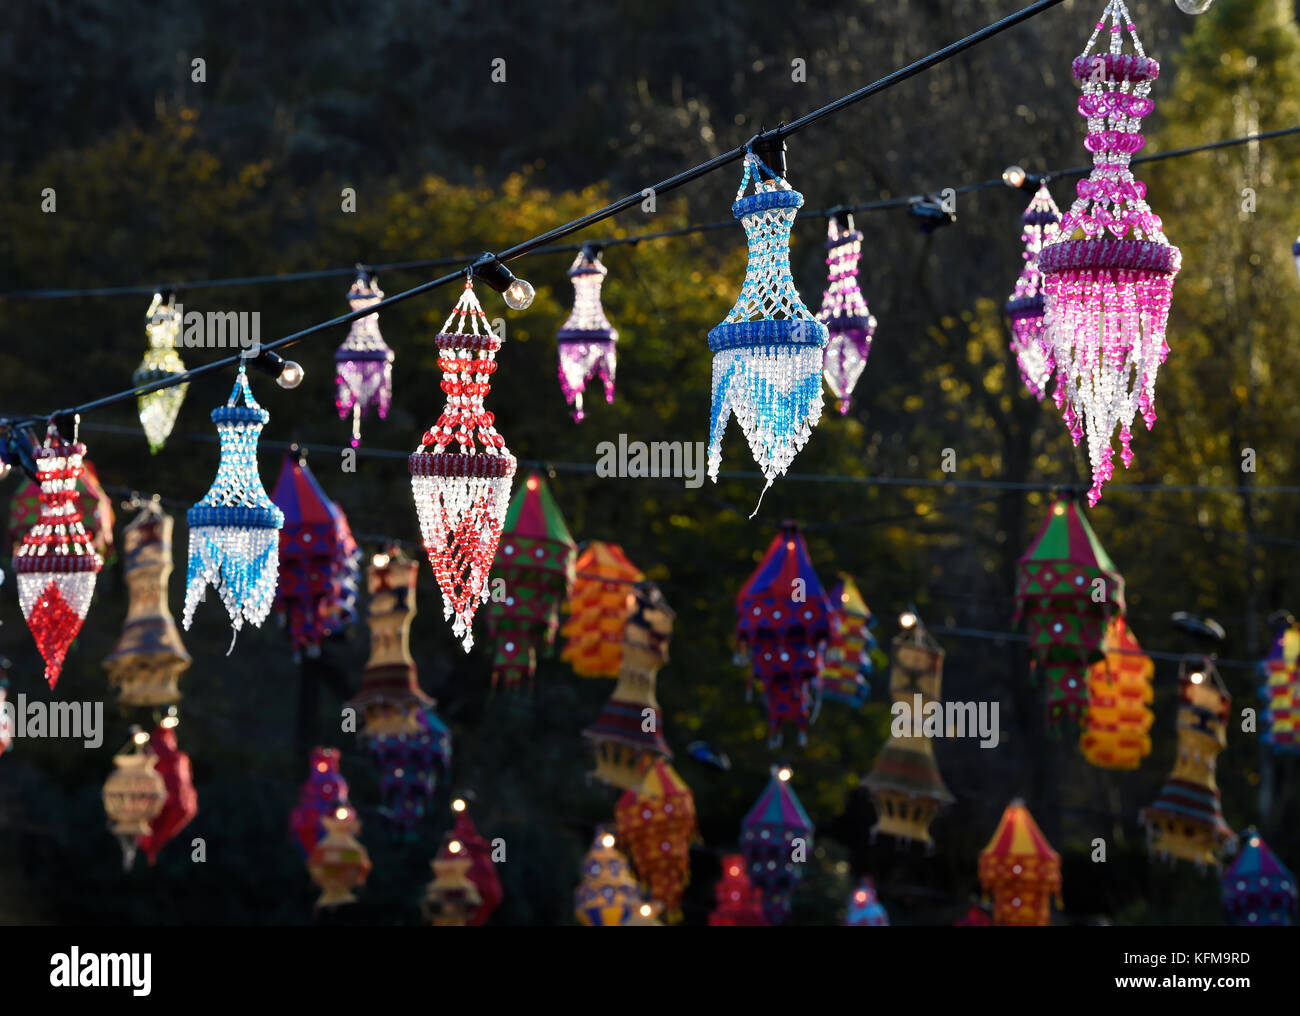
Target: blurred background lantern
{"x":338,"y":863}
{"x":852,"y":653}
{"x":1281,"y":689}
{"x":134,"y":794}
{"x":865,"y":908}
{"x":1186,"y":821}
{"x":146,"y":664}
{"x":6,"y":719}
{"x":628,"y":734}
{"x":607,"y":896}
{"x":1257,"y":888}
{"x":1067,"y":589}
{"x":739,"y":903}
{"x":319,"y":560}
{"x":451,"y":897}
{"x":182,"y":802}
{"x":657,"y":826}
{"x":324,"y":791}
{"x":975,"y":916}
{"x":588,"y":342}
{"x":1020,"y":870}
{"x":905,"y":786}
{"x":1117,"y":725}
{"x":597,"y":610}
{"x":535,"y":560}
{"x":158,"y":410}
{"x":776,"y":837}
{"x":1029,"y":341}
{"x":782,"y":626}
{"x":363,"y":365}
{"x":95,"y":505}
{"x":482,"y":869}
{"x":844,"y":311}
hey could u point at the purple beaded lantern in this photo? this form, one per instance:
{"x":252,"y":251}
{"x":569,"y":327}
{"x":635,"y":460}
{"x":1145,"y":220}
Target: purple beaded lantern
{"x":364,"y":363}
{"x":1025,"y":308}
{"x":1108,"y":274}
{"x":587,"y":340}
{"x":844,"y":312}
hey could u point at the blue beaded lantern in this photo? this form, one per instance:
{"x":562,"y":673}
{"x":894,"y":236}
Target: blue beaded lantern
{"x":235,"y":529}
{"x":767,"y":352}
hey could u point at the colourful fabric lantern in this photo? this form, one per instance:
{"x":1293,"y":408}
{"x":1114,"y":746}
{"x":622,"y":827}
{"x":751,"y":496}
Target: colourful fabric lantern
{"x":783,"y":624}
{"x":1021,"y":870}
{"x":1025,"y":308}
{"x":535,"y":560}
{"x":865,"y":908}
{"x":905,"y":786}
{"x":588,"y":342}
{"x":339,"y":863}
{"x":323,"y":792}
{"x":1067,"y":589}
{"x":56,"y":563}
{"x":149,"y":658}
{"x":607,"y":896}
{"x":96,"y":507}
{"x":767,"y":352}
{"x":182,"y":802}
{"x":451,"y":897}
{"x":1117,"y":725}
{"x":598,"y":609}
{"x":657,"y":825}
{"x":364,"y":363}
{"x":158,"y":410}
{"x":844,"y":312}
{"x":234,"y":529}
{"x":1258,"y":889}
{"x":776,"y":837}
{"x":1281,"y":690}
{"x":628,"y":735}
{"x":850,"y":657}
{"x":320,"y":563}
{"x":739,"y":903}
{"x":1186,"y":821}
{"x":482,"y":869}
{"x":1108,"y":273}
{"x":133,"y":795}
{"x":461,"y":496}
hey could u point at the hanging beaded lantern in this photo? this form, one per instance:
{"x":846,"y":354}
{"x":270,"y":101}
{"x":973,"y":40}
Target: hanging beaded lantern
{"x":96,"y":507}
{"x":158,"y":410}
{"x":587,"y":341}
{"x":777,"y":840}
{"x":461,"y":496}
{"x":1025,"y":311}
{"x":1108,"y":274}
{"x":844,"y":312}
{"x":767,"y":352}
{"x":235,"y":529}
{"x":133,"y":796}
{"x":56,"y":563}
{"x":364,"y":363}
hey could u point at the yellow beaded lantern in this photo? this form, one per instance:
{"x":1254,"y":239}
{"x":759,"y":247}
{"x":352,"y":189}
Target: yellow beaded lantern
{"x":1117,"y":726}
{"x":338,"y":863}
{"x":658,"y":825}
{"x":149,"y":658}
{"x":134,"y":794}
{"x":607,"y":896}
{"x":598,"y":609}
{"x":451,"y":897}
{"x":905,"y":784}
{"x":1186,"y":821}
{"x":1021,"y":870}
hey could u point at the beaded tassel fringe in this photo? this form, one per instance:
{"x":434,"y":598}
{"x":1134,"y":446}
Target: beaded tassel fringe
{"x":158,"y":410}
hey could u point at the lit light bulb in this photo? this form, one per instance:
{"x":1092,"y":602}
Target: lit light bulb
{"x":140,"y":737}
{"x":607,"y":841}
{"x":341,"y":814}
{"x":454,"y":847}
{"x":1197,"y":678}
{"x":646,"y":910}
{"x":784,"y":773}
{"x":1193,"y":6}
{"x":4,"y":466}
{"x":458,"y":804}
{"x":380,"y":560}
{"x":519,"y":294}
{"x":291,"y":375}
{"x":170,"y":721}
{"x":906,"y":619}
{"x":1013,"y":176}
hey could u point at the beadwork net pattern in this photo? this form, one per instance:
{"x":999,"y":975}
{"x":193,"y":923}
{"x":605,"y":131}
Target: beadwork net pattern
{"x":587,"y":342}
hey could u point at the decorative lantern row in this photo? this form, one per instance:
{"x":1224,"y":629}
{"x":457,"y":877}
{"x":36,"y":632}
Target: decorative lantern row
{"x":134,"y":794}
{"x":776,"y":837}
{"x":844,"y":312}
{"x":657,"y":825}
{"x":865,"y":908}
{"x":1025,"y":309}
{"x":1281,"y":690}
{"x":338,"y":863}
{"x":158,"y":410}
{"x":1117,"y":726}
{"x":1258,"y":889}
{"x":607,"y":896}
{"x":587,"y":341}
{"x":323,"y":792}
{"x":852,"y":652}
{"x":182,"y":801}
{"x":598,"y":609}
{"x":364,"y":363}
{"x":739,"y":904}
{"x":1020,"y":870}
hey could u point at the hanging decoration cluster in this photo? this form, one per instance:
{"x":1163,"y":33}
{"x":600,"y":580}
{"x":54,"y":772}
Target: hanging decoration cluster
{"x":1258,"y":890}
{"x":844,"y":312}
{"x":1025,"y":309}
{"x":1020,"y":870}
{"x":658,"y":825}
{"x":56,"y":563}
{"x":158,"y":410}
{"x":1281,"y":690}
{"x":739,"y":904}
{"x":776,"y":837}
{"x":1117,"y":725}
{"x":323,"y":792}
{"x":461,"y":495}
{"x":1108,"y":273}
{"x":767,"y":352}
{"x":587,"y":341}
{"x":598,"y":610}
{"x":364,"y":363}
{"x":852,"y":653}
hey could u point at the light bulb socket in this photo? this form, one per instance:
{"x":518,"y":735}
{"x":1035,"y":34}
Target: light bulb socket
{"x":491,"y":270}
{"x":591,"y":252}
{"x":274,"y":365}
{"x":844,"y":219}
{"x":931,"y":213}
{"x":771,"y":149}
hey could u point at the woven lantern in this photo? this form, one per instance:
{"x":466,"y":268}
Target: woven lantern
{"x":451,"y":897}
{"x":363,"y":365}
{"x":776,"y":837}
{"x":628,"y":734}
{"x":850,"y":657}
{"x":535,"y":560}
{"x":657,"y":825}
{"x":158,"y":410}
{"x":782,"y":626}
{"x":339,"y":863}
{"x":89,"y":497}
{"x":906,"y":788}
{"x":134,"y":794}
{"x":588,"y":342}
{"x":1117,"y":726}
{"x":149,"y":658}
{"x":607,"y":896}
{"x":323,"y":792}
{"x":844,"y":311}
{"x":1186,"y":821}
{"x":1020,"y":869}
{"x":739,"y":903}
{"x":182,"y":802}
{"x":1067,"y":589}
{"x":1281,"y":690}
{"x":1029,"y":340}
{"x":865,"y":908}
{"x":597,"y":609}
{"x":1258,"y":889}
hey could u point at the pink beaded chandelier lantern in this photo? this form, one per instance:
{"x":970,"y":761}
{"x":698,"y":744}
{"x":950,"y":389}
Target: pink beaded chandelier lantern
{"x":364,"y":363}
{"x":56,"y":562}
{"x":1108,"y":288}
{"x":587,"y":341}
{"x":844,"y":311}
{"x":1025,"y":308}
{"x":461,"y":495}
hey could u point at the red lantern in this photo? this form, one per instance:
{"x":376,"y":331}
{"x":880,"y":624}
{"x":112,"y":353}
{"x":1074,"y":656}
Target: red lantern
{"x":739,"y":903}
{"x":482,"y":870}
{"x":182,"y":803}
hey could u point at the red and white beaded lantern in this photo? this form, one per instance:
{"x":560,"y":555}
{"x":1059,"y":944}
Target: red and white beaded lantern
{"x":56,"y":563}
{"x":461,"y":494}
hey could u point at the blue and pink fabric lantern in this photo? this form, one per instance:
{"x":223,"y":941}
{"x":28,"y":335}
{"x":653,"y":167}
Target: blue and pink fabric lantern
{"x":865,"y":908}
{"x":776,"y":837}
{"x":1258,"y":889}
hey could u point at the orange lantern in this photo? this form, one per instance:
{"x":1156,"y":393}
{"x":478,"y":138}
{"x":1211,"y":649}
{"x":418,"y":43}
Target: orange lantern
{"x":1021,"y":870}
{"x":339,"y":863}
{"x":1116,"y":728}
{"x":658,"y":825}
{"x":598,"y":610}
